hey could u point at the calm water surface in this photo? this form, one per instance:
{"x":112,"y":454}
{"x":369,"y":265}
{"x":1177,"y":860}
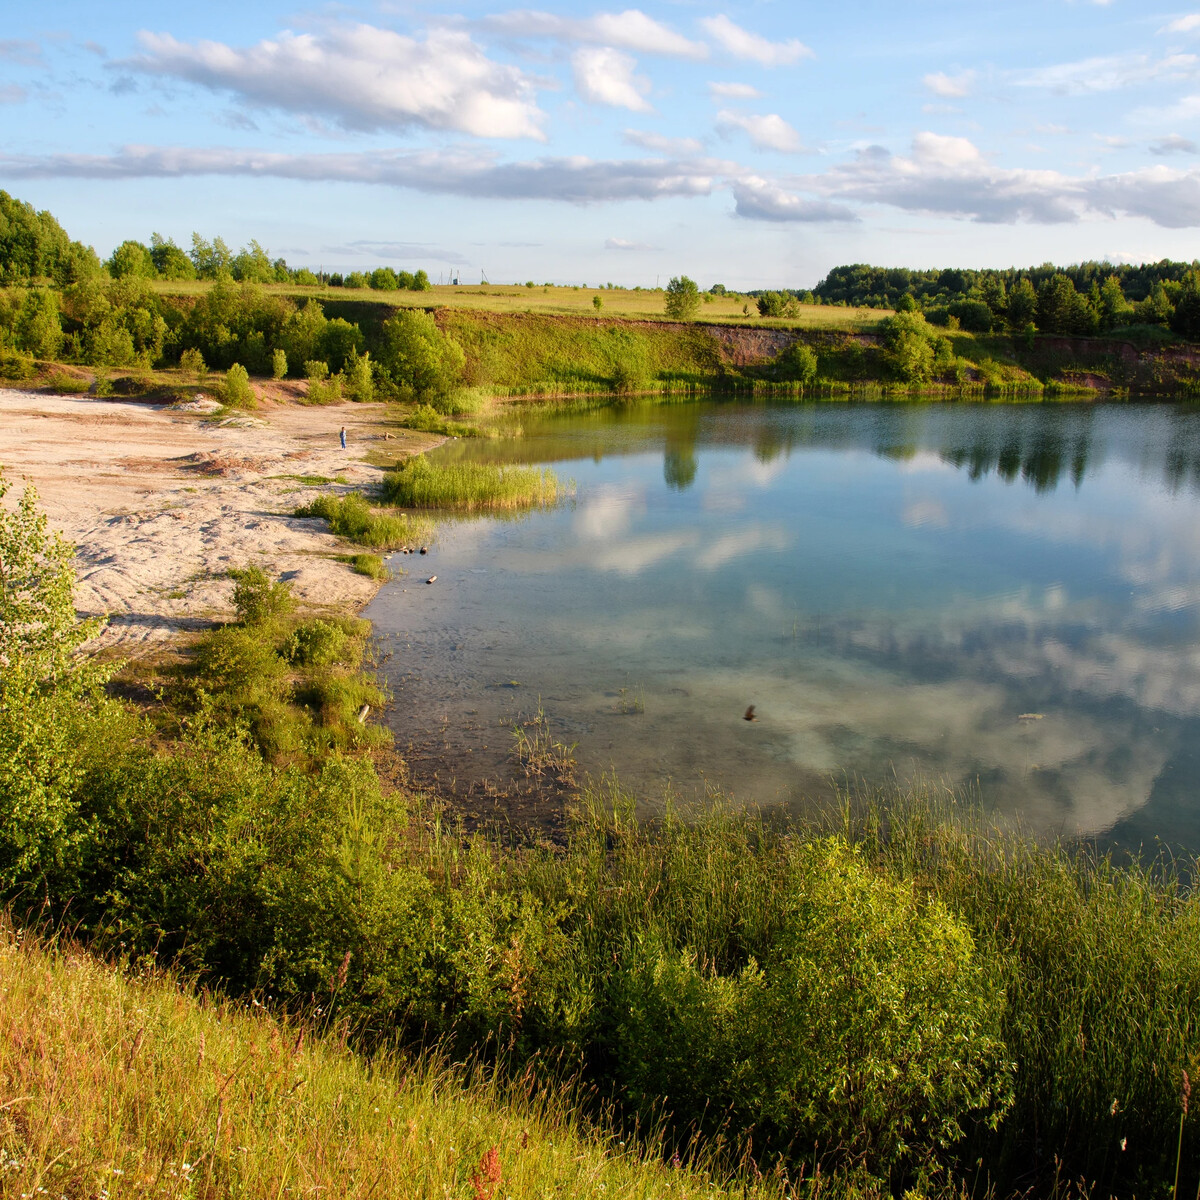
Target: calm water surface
{"x":999,"y":596}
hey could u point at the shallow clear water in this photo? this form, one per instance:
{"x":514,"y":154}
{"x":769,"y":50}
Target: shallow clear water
{"x":1000,"y":596}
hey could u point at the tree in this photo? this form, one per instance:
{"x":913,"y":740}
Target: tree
{"x":42,"y":678}
{"x":384,"y":279}
{"x":34,"y":246}
{"x":253,"y":264}
{"x":777,"y":304}
{"x":414,"y":354}
{"x":1185,"y":321}
{"x":37,"y":325}
{"x":910,"y":346}
{"x":211,"y":259}
{"x":169,"y":261}
{"x":682,"y":298}
{"x":132,"y":258}
{"x":237,"y":390}
{"x":1022,"y":305}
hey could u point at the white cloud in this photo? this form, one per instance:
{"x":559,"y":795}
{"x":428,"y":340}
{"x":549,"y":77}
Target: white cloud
{"x":949,"y":176}
{"x":759,"y":199}
{"x":606,"y":76}
{"x":677,"y":147}
{"x":767,"y":131}
{"x":1182,"y":24}
{"x":473,"y":173}
{"x":741,"y":43}
{"x":625,"y":244}
{"x":950,"y":86}
{"x":629,"y":30}
{"x":733,"y":91}
{"x":1107,"y":74}
{"x":362,"y":78}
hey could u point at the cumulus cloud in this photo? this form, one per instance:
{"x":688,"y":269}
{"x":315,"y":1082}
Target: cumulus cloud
{"x":949,"y":176}
{"x":677,"y":147}
{"x":1107,"y":74}
{"x":361,"y":77}
{"x":629,"y":30}
{"x":733,"y":91}
{"x":606,"y":76}
{"x":768,"y":131}
{"x":576,"y":180}
{"x":950,"y":86}
{"x":741,"y":43}
{"x":759,"y":199}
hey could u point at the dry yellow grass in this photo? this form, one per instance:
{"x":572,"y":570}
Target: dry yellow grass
{"x":120,"y":1086}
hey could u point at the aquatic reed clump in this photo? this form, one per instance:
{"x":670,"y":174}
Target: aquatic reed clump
{"x":467,"y":486}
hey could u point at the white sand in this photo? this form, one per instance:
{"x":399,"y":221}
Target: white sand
{"x":161,"y":502}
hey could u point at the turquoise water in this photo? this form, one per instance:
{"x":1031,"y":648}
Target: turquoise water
{"x":997,"y":597}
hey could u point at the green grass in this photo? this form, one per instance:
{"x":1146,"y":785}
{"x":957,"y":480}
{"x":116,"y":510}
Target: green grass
{"x":426,"y":419}
{"x":353,"y":518}
{"x":120,"y":1084}
{"x":420,"y":483}
{"x":370,"y":565}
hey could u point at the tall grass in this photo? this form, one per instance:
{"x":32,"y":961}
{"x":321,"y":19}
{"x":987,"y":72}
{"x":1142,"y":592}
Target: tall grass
{"x":421,"y":483}
{"x":120,"y":1084}
{"x":352,"y":517}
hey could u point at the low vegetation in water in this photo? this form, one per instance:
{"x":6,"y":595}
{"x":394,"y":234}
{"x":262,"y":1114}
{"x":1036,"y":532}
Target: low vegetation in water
{"x":421,"y":483}
{"x":352,"y":517}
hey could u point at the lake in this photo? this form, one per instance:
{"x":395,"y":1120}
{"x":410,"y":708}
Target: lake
{"x":1000,"y":598}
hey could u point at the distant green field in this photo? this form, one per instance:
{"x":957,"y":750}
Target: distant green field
{"x":627,"y":303}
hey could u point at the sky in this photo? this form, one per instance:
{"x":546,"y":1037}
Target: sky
{"x":754,"y":144}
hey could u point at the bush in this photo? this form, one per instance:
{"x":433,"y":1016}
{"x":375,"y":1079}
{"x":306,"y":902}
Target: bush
{"x":279,"y":364}
{"x":417,"y":357}
{"x":236,"y":391}
{"x":325,"y":391}
{"x":682,"y":299}
{"x":798,"y":362}
{"x":191,"y":362}
{"x":777,"y":304}
{"x":257,"y":599}
{"x":351,"y":517}
{"x":868,"y":1024}
{"x":67,"y":385}
{"x":15,"y":366}
{"x":318,"y":644}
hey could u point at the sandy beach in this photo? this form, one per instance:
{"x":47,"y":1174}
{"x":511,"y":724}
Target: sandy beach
{"x":161,"y":502}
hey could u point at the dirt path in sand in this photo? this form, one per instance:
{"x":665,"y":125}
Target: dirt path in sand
{"x":161,"y":502}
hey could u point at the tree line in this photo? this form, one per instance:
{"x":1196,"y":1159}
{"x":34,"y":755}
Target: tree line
{"x":1081,"y":300}
{"x":34,"y":248}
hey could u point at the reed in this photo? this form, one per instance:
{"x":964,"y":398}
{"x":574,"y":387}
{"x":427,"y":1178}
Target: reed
{"x":421,"y":483}
{"x":352,"y":517}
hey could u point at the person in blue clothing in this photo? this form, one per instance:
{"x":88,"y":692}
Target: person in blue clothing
{"x":342,"y":435}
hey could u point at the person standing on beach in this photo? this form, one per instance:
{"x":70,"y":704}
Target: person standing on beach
{"x":342,"y":435}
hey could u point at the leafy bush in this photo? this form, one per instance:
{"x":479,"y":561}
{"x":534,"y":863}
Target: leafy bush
{"x":66,"y":384}
{"x":257,"y":599}
{"x":798,"y":362}
{"x":351,"y":517}
{"x":868,"y":1024}
{"x":236,"y":390}
{"x":317,"y":644}
{"x":14,"y":365}
{"x":777,"y":304}
{"x":324,"y":391}
{"x":415,"y":356}
{"x":191,"y":362}
{"x":279,"y":364}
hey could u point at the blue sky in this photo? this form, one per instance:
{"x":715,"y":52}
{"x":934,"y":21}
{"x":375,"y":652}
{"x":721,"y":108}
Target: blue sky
{"x":755,"y":144}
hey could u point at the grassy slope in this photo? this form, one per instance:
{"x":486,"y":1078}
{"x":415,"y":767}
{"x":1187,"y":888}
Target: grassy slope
{"x":121,"y":1085}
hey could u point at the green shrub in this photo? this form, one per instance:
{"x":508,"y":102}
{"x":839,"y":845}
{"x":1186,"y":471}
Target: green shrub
{"x":15,"y":366}
{"x":279,"y":364}
{"x":318,"y":644}
{"x":191,"y":362}
{"x":682,"y":298}
{"x":236,"y":391}
{"x":351,"y":517}
{"x":315,"y":370}
{"x":257,"y":599}
{"x":416,"y":357}
{"x":427,"y":419}
{"x":867,"y":1024}
{"x":324,"y":391}
{"x":67,"y":385}
{"x":798,"y":362}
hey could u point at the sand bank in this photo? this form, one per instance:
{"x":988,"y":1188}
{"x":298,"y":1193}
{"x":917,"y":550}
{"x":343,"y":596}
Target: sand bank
{"x":162,"y":501}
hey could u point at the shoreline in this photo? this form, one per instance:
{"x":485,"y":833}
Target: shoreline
{"x":161,"y":501}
